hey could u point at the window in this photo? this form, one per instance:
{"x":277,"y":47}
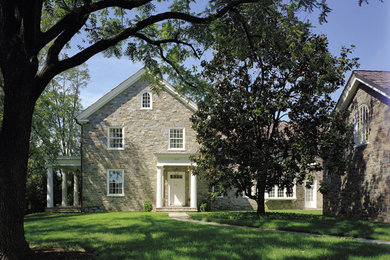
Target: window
{"x":278,"y":193}
{"x":115,"y":183}
{"x":176,"y":139}
{"x":115,"y":138}
{"x":361,"y":125}
{"x":146,"y":100}
{"x":217,"y":192}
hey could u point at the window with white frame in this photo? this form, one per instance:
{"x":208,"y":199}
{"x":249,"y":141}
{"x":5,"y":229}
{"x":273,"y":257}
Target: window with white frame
{"x":146,"y":100}
{"x":279,"y":193}
{"x":176,"y":139}
{"x":115,"y":138}
{"x":115,"y":183}
{"x":216,"y":190}
{"x":361,"y":125}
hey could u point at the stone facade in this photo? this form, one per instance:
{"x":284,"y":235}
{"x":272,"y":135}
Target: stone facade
{"x":145,"y":133}
{"x":231,"y":201}
{"x":146,"y":141}
{"x":364,"y":191}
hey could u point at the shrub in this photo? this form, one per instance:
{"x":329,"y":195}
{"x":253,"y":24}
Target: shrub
{"x":148,"y":206}
{"x":204,"y":206}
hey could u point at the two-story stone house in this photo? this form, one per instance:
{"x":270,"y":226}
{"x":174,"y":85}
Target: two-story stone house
{"x":364,"y":191}
{"x":136,"y":144}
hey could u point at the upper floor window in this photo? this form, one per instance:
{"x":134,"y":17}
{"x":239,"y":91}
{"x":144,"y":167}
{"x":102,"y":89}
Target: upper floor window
{"x":115,"y":183}
{"x":115,"y":138}
{"x":146,"y":100}
{"x":279,"y":193}
{"x":176,"y":139}
{"x":361,"y":125}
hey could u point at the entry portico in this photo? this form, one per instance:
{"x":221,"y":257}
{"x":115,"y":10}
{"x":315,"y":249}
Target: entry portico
{"x":176,"y":185}
{"x":66,"y":164}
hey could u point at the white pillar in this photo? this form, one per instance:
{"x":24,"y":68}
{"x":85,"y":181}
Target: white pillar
{"x":76,"y":200}
{"x":50,"y":192}
{"x":159,"y":187}
{"x":193,"y":192}
{"x":64,"y":190}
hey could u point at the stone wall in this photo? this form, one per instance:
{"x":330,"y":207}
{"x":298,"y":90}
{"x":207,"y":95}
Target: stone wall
{"x":231,"y":201}
{"x":364,"y":191}
{"x":145,"y":133}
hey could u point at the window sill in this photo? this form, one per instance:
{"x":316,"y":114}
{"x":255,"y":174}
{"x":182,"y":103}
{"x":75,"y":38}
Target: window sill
{"x":176,"y":149}
{"x":115,"y":195}
{"x":146,"y":108}
{"x":115,"y":149}
{"x":280,"y":199}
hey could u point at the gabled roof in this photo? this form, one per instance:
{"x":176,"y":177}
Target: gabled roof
{"x":378,"y":81}
{"x":129,"y":82}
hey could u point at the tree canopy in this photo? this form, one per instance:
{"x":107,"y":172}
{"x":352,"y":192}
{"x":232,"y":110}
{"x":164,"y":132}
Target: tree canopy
{"x":144,"y":30}
{"x":268,"y":116}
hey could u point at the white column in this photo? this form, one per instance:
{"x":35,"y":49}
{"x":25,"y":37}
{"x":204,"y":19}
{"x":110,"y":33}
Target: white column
{"x":50,"y":192}
{"x":76,"y":200}
{"x":64,"y":190}
{"x":159,"y":187}
{"x":193,"y":192}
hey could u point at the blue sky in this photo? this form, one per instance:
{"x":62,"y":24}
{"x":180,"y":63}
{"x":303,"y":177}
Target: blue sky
{"x":367,"y":27}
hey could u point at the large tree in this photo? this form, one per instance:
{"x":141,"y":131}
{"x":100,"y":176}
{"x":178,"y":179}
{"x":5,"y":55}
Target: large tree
{"x":268,"y":117}
{"x":151,"y":30}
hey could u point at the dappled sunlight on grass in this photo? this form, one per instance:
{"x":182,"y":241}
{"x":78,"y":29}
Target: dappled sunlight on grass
{"x":311,"y":223}
{"x":128,"y":235}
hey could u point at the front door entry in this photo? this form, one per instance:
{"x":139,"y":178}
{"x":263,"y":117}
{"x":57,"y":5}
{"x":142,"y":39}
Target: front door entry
{"x":176,"y":188}
{"x":311,"y":196}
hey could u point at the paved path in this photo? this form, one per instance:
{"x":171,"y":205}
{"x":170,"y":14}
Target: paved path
{"x":181,"y":216}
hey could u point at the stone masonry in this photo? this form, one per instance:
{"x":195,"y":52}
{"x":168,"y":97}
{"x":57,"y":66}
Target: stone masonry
{"x":363,"y":192}
{"x":145,"y":133}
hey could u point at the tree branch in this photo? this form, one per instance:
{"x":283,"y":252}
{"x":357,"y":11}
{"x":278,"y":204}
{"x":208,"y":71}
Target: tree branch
{"x":88,"y":8}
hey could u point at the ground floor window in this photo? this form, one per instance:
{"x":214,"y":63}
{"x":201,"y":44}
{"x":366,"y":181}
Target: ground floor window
{"x":115,"y":182}
{"x":280,"y":193}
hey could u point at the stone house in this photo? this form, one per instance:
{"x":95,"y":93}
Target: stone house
{"x":136,"y":144}
{"x":364,"y":191}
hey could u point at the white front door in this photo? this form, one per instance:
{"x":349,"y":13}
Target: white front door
{"x":176,"y":189}
{"x":311,"y":196}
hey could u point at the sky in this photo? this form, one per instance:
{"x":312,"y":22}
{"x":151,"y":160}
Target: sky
{"x":367,"y":27}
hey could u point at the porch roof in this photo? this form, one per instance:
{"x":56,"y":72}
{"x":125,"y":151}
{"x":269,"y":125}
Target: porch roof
{"x":66,"y":161}
{"x":173,"y":159}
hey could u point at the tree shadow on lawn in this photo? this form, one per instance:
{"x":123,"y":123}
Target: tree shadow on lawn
{"x":155,"y":236}
{"x":302,"y":223}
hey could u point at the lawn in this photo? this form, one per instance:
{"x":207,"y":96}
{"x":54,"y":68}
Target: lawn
{"x":131,"y":235}
{"x":300,"y":221}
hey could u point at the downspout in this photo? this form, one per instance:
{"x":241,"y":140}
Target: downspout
{"x":81,"y":164}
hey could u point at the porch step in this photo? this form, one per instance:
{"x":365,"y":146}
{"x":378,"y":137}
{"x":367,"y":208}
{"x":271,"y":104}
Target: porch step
{"x":176,"y":209}
{"x":65,"y":209}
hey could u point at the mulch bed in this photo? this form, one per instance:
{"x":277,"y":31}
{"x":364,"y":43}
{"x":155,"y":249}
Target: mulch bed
{"x":43,"y":253}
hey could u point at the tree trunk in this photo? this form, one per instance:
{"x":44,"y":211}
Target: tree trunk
{"x":260,"y":201}
{"x":15,"y":131}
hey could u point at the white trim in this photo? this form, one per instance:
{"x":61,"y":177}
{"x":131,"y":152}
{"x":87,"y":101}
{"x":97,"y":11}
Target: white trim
{"x":123,"y":139}
{"x":192,"y":105}
{"x":169,"y":139}
{"x":173,"y":159}
{"x":123,"y":183}
{"x":294,"y":195}
{"x":142,"y":98}
{"x":84,"y":115}
{"x":63,"y":161}
{"x":351,"y":88}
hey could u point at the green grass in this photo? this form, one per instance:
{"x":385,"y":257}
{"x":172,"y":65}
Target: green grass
{"x":128,"y":235}
{"x":300,"y":221}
